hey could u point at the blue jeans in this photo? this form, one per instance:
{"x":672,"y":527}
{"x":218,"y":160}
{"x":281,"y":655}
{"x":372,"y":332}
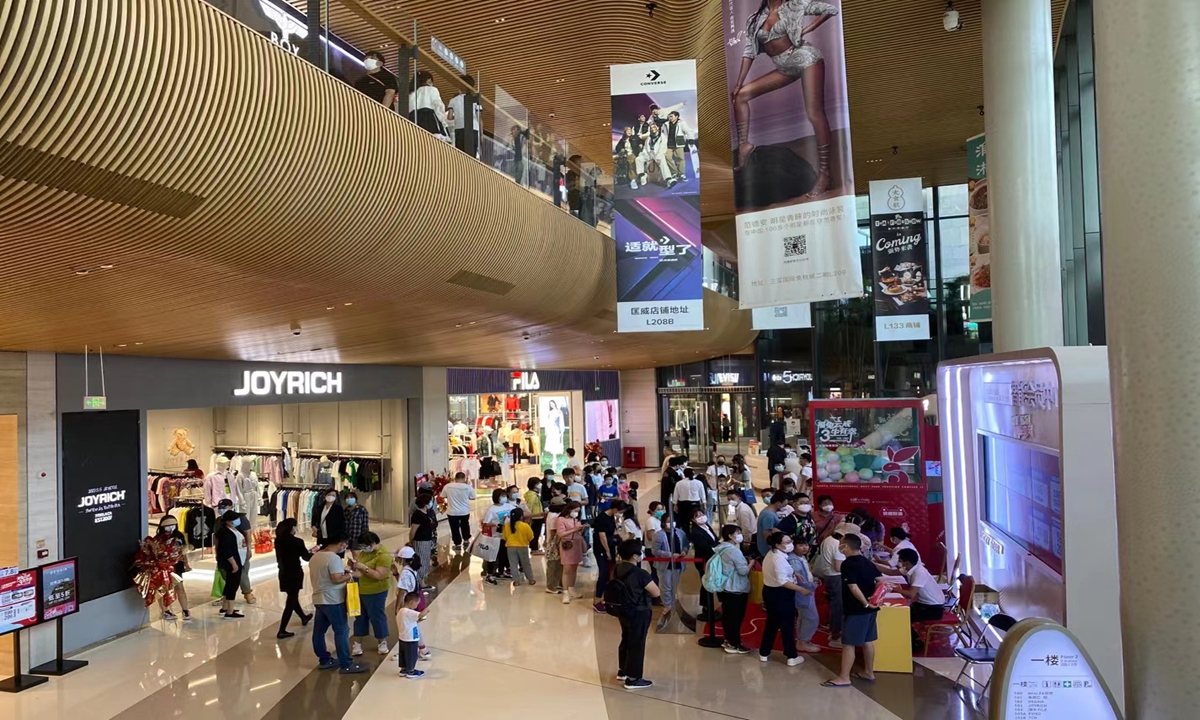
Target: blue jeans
{"x":807,"y":619}
{"x":332,"y":616}
{"x":373,"y":616}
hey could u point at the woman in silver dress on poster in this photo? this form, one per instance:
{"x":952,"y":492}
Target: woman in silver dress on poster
{"x":778,"y":29}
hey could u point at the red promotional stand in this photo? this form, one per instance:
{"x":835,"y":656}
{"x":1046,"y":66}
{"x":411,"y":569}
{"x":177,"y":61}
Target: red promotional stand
{"x":875,"y":454}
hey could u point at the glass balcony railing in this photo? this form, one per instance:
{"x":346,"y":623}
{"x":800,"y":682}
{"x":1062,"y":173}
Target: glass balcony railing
{"x":384,"y":52}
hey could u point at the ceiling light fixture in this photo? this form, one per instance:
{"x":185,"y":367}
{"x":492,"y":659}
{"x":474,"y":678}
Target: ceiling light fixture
{"x":458,"y":325}
{"x":123,"y":345}
{"x":348,"y":304}
{"x":83,"y":272}
{"x":471,"y":323}
{"x":107,"y":267}
{"x":139,"y":343}
{"x":329,"y":307}
{"x":950,"y":19}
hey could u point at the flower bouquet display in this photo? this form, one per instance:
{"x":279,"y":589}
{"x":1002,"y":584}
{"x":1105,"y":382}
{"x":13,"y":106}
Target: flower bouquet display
{"x":155,"y":561}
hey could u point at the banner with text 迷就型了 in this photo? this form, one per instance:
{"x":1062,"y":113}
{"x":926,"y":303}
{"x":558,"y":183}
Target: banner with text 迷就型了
{"x":793,"y":174}
{"x":981,"y":232}
{"x":656,"y":188}
{"x":900,"y":256}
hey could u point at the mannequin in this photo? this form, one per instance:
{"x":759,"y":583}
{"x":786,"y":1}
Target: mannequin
{"x":325,"y":471}
{"x":248,"y":500}
{"x":217,"y":485}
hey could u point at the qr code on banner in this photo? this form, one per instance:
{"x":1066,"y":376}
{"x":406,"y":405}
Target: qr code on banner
{"x":795,"y":246}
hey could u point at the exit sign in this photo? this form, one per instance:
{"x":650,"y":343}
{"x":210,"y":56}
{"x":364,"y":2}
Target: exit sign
{"x":95,"y":402}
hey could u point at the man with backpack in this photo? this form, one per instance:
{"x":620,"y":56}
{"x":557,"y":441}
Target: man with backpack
{"x":628,"y":597}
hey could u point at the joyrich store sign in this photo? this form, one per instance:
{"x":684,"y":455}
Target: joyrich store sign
{"x":289,"y":382}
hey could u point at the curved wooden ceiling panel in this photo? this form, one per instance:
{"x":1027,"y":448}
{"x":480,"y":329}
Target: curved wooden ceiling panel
{"x":236,"y":191}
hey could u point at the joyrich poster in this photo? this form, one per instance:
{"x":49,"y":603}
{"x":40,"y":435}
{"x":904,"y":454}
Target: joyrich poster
{"x":793,"y":175}
{"x":656,"y":179}
{"x":899,"y":255}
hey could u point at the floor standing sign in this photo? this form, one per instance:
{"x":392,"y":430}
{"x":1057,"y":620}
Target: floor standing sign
{"x":1042,"y":672}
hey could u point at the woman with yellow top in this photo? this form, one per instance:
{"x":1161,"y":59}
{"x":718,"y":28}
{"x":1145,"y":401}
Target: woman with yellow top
{"x":375,"y":565}
{"x":517,"y":536}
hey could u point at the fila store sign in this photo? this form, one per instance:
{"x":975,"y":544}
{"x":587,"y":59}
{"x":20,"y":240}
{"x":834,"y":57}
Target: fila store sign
{"x":525,"y":381}
{"x":289,"y":382}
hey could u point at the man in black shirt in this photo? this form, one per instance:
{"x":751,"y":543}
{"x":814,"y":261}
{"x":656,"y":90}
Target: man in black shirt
{"x":247,"y":532}
{"x":859,"y":630}
{"x":674,"y":473}
{"x":378,"y":83}
{"x":704,"y":541}
{"x":604,"y":544}
{"x":635,"y":615}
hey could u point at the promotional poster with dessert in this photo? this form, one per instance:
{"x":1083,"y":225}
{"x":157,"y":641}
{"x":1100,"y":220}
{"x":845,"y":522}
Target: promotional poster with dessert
{"x":900,"y":258}
{"x":981,"y":236}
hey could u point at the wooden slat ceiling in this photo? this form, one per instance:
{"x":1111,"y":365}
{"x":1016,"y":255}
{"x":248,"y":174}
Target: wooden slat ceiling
{"x":213,"y":191}
{"x":912,"y":85}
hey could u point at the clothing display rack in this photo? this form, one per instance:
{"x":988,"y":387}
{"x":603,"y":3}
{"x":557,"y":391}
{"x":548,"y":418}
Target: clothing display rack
{"x":248,"y":449}
{"x":339,"y":454}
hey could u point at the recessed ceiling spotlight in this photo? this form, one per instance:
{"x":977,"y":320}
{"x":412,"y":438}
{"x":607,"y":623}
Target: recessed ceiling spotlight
{"x":594,"y":357}
{"x":329,"y":307}
{"x":83,"y":272}
{"x":471,"y":323}
{"x":457,"y":325}
{"x":123,"y":345}
{"x":348,"y":304}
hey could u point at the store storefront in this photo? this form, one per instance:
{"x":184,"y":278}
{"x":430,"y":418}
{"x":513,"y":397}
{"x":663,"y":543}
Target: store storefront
{"x":269,"y":437}
{"x":538,"y":413}
{"x":710,"y":408}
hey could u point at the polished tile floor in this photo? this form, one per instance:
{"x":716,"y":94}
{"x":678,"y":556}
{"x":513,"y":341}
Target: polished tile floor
{"x":499,"y":652}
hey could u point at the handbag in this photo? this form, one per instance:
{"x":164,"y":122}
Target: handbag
{"x":218,"y":586}
{"x":353,"y":600}
{"x":748,"y":496}
{"x":486,"y":548}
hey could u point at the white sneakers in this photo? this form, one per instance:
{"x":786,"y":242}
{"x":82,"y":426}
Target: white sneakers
{"x":383,"y":648}
{"x":356,"y":649}
{"x":793,"y":662}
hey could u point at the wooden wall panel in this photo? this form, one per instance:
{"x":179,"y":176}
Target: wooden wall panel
{"x":236,"y":190}
{"x":10,"y":525}
{"x":639,"y":413}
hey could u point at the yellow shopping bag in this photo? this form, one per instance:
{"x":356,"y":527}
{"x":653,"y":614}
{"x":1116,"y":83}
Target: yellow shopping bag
{"x":353,"y":602}
{"x":756,"y":586}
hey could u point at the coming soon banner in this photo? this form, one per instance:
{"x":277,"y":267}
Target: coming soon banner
{"x":793,"y":175}
{"x":656,"y":174}
{"x":900,"y":257}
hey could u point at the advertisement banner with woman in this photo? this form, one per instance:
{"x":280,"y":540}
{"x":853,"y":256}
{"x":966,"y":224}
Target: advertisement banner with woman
{"x":981,"y":231}
{"x":792,"y":168}
{"x":899,"y":255}
{"x":656,"y":184}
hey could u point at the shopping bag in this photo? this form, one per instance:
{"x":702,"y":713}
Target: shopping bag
{"x":756,"y":586}
{"x":218,"y":586}
{"x":353,"y":601}
{"x":486,"y":548}
{"x":748,"y":496}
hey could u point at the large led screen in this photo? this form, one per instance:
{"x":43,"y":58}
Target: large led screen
{"x":1023,"y":496}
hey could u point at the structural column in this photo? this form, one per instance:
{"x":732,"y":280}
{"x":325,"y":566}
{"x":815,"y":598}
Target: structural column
{"x":1018,"y":86}
{"x":1148,"y":117}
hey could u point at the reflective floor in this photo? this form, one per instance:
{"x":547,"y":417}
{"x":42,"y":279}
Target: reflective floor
{"x":498,"y":652}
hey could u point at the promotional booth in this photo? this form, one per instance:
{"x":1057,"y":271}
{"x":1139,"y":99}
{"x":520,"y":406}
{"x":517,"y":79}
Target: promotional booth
{"x":878,"y":455}
{"x":539,"y":413}
{"x":1030,"y":499}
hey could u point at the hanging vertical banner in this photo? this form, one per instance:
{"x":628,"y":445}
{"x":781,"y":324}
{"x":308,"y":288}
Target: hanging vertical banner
{"x":899,"y":255}
{"x":782,"y":317}
{"x":793,"y":176}
{"x":656,"y":181}
{"x":981,"y":233}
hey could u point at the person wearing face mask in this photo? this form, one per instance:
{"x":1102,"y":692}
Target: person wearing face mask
{"x":374,"y":565}
{"x":779,"y":597}
{"x":247,"y":548}
{"x":493,"y":526}
{"x":328,"y":577}
{"x":654,"y":524}
{"x":901,"y":540}
{"x":289,"y":551}
{"x":536,"y":515}
{"x":459,"y":494}
{"x":168,"y":534}
{"x":777,"y":473}
{"x":378,"y":83}
{"x":926,"y":600}
{"x":807,"y":619}
{"x":825,"y":518}
{"x":768,"y":519}
{"x":671,"y":476}
{"x":553,"y":559}
{"x":328,"y":518}
{"x":608,"y":492}
{"x":604,"y":530}
{"x":357,"y":520}
{"x":704,"y":543}
{"x":420,"y":534}
{"x":735,"y":595}
{"x":569,"y":531}
{"x":635,"y":614}
{"x":690,"y":495}
{"x":669,"y":542}
{"x":230,"y":552}
{"x":742,"y":516}
{"x":827,"y":565}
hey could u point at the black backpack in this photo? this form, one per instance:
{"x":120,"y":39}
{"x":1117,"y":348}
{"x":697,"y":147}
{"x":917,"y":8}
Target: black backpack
{"x":620,"y":596}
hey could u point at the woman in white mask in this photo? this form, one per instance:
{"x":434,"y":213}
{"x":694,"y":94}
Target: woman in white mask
{"x":568,"y":531}
{"x":735,"y":593}
{"x":328,"y":518}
